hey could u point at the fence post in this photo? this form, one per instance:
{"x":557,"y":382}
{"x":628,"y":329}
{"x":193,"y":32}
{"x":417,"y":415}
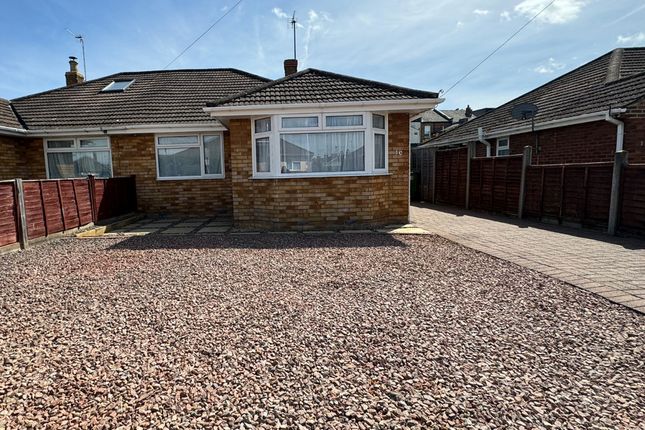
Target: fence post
{"x":526,"y":162}
{"x":620,"y":160}
{"x":22,"y":215}
{"x":434,"y":175}
{"x":470,"y":154}
{"x":91,"y":185}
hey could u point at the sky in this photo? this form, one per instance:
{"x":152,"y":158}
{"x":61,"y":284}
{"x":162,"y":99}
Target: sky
{"x":420,"y":44}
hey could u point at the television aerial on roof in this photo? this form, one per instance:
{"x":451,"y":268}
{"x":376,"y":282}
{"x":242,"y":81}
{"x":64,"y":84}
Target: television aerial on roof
{"x":525,"y":111}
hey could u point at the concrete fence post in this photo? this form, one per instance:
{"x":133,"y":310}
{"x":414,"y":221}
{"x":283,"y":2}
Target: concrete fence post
{"x":22,"y":215}
{"x":471,"y":154}
{"x":526,"y":162}
{"x":620,"y":160}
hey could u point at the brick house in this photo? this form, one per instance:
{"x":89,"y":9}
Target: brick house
{"x":312,"y":149}
{"x":585,"y":115}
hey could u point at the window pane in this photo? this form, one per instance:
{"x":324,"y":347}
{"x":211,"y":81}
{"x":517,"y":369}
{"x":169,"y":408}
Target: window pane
{"x":378,"y":121}
{"x":262,"y":155}
{"x":179,"y":162}
{"x":322,"y":152}
{"x":61,"y":165}
{"x":300,"y":122}
{"x":53,"y":144}
{"x":212,"y":155}
{"x":262,"y":125}
{"x":179,"y":140}
{"x":97,"y":163}
{"x":99,"y":142}
{"x":343,"y":120}
{"x":118,"y":85}
{"x":379,"y":151}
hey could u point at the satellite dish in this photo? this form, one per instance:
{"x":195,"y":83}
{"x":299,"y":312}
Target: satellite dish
{"x":524,"y":111}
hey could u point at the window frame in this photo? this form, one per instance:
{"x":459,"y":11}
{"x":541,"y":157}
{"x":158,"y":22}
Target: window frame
{"x":76,"y":148}
{"x":108,"y":87}
{"x":200,"y":145}
{"x":505,"y":147}
{"x":277,"y":129}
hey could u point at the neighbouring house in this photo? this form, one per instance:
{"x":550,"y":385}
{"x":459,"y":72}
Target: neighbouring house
{"x":433,"y":122}
{"x":585,"y":115}
{"x":312,"y":149}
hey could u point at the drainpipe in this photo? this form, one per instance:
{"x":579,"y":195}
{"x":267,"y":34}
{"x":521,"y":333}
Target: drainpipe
{"x":480,"y":138}
{"x":620,"y":130}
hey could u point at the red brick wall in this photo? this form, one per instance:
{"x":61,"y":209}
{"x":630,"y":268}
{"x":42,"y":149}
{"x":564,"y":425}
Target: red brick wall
{"x":134,"y":154}
{"x":311,"y":203}
{"x":634,"y":143}
{"x":21,"y":158}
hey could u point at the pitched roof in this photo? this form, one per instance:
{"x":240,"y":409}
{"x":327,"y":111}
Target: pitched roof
{"x":7,"y":116}
{"x":318,"y":86}
{"x":155,"y":97}
{"x":614,"y":80}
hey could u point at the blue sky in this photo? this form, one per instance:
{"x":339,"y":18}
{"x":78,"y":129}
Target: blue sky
{"x":421,"y":44}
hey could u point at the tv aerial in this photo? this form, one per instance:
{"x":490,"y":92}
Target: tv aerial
{"x":525,"y":111}
{"x":79,"y":37}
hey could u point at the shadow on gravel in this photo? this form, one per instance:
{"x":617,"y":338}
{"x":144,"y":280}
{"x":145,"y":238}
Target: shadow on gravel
{"x":627,"y":242}
{"x":259,"y":241}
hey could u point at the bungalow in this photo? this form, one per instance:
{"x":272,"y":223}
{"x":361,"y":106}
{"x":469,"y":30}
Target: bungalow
{"x":312,"y":149}
{"x":585,"y":115}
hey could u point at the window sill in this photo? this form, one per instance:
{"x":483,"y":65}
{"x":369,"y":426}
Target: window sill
{"x":190,"y":178}
{"x":319,"y":176}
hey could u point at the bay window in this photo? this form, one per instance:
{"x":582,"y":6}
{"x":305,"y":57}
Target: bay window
{"x":320,"y":145}
{"x":78,"y":157}
{"x":190,"y":156}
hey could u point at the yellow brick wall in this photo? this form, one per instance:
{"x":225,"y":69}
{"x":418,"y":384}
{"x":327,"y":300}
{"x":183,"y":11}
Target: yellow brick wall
{"x":135,"y":155}
{"x":313,"y":203}
{"x":21,"y":158}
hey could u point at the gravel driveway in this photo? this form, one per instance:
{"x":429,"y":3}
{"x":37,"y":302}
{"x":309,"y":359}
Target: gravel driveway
{"x":296,"y":331}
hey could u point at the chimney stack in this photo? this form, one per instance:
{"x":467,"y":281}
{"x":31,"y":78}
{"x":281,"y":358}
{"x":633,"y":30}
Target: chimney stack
{"x":73,"y":77}
{"x":290,"y":66}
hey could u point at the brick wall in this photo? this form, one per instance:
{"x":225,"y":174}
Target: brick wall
{"x":21,"y":158}
{"x":310,"y":203}
{"x":582,"y":143}
{"x":134,"y":154}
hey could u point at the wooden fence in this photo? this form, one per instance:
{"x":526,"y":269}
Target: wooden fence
{"x":577,"y":194}
{"x":39,"y":208}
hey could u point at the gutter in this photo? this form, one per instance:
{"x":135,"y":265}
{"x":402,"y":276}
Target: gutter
{"x":124,"y":129}
{"x":480,"y":137}
{"x":562,"y":122}
{"x":12,"y":131}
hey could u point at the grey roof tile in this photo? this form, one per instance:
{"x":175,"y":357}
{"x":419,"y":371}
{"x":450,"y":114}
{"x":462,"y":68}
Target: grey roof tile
{"x":581,"y":91}
{"x":318,"y":86}
{"x":7,"y":115}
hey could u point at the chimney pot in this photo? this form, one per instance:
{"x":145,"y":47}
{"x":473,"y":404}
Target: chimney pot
{"x":73,"y":77}
{"x":290,"y":66}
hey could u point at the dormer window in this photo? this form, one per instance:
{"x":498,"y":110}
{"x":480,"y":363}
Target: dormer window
{"x":115,"y":86}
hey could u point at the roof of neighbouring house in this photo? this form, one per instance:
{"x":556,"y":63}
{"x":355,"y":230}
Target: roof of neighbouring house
{"x":155,"y":97}
{"x":318,"y":86}
{"x":7,"y":116}
{"x":614,"y":80}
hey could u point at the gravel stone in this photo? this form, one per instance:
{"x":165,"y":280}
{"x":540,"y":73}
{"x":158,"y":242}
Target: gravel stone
{"x":359,"y":331}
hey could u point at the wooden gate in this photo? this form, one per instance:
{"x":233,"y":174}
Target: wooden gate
{"x":450,"y":176}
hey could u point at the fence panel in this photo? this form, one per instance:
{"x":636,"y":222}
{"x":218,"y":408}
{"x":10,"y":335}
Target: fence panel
{"x":451,"y":174}
{"x":8,"y":214}
{"x":422,"y":165}
{"x":632,"y":213}
{"x":495,"y":183}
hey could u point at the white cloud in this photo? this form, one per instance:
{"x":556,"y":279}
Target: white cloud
{"x":481,"y":12}
{"x":549,"y":67}
{"x":315,"y":23}
{"x":560,"y":12}
{"x":279,"y":12}
{"x":459,"y":25}
{"x":632,"y":40}
{"x":505,"y":16}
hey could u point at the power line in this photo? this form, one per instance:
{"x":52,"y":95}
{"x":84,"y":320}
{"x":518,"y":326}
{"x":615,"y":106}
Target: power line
{"x":499,"y":47}
{"x":203,"y":34}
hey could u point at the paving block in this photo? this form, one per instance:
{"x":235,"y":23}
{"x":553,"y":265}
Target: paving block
{"x":178,"y":230}
{"x":214,"y":229}
{"x":188,"y":224}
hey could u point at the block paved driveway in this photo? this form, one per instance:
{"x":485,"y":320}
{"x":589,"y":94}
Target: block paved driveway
{"x":611,"y":267}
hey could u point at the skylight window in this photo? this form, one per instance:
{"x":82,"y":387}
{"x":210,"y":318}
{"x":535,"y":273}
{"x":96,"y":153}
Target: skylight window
{"x":118,"y":85}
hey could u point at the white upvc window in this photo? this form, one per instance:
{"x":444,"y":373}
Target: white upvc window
{"x":320,"y":145}
{"x":74,"y":157}
{"x":190,"y":156}
{"x":503,"y":146}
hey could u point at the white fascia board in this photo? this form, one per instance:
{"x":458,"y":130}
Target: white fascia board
{"x":562,"y":122}
{"x":411,"y":105}
{"x":131,"y":129}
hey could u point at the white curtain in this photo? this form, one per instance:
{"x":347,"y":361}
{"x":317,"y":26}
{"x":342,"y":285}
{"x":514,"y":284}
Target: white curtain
{"x":262,"y":155}
{"x":323,"y":152}
{"x":379,"y":151}
{"x":344,"y":120}
{"x":212,"y":155}
{"x":78,"y":164}
{"x":179,"y":162}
